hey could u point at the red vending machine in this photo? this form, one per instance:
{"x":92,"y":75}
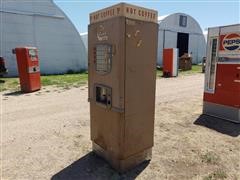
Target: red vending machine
{"x":28,"y":68}
{"x":170,"y":62}
{"x":222,"y":75}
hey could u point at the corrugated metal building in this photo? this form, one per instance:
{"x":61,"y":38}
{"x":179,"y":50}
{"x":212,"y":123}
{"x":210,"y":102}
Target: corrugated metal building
{"x":43,"y":25}
{"x":181,"y":31}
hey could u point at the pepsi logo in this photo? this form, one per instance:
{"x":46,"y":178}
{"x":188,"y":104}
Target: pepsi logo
{"x":231,"y":42}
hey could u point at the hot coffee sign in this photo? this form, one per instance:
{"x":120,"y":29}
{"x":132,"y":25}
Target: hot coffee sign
{"x":126,"y":10}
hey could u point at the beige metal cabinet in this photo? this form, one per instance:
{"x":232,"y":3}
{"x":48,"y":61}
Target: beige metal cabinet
{"x":122,"y":50}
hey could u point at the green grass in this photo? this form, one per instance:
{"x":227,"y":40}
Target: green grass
{"x":66,"y":81}
{"x":210,"y":158}
{"x":71,"y":80}
{"x":218,"y":174}
{"x":159,"y":73}
{"x":195,"y":69}
{"x":9,"y":84}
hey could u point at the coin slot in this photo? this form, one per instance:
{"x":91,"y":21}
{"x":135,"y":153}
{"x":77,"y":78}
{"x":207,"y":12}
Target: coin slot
{"x":103,"y":95}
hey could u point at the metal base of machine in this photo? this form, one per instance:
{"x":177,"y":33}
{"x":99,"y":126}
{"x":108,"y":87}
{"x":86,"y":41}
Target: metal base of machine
{"x":122,"y":165}
{"x":221,"y":111}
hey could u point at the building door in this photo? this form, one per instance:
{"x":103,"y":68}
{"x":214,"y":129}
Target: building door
{"x":182,"y":43}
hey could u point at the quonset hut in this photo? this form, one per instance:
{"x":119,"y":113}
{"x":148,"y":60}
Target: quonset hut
{"x":181,"y":31}
{"x":43,"y":25}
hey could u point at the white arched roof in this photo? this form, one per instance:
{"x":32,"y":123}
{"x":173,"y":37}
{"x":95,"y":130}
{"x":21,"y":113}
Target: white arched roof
{"x":160,"y":18}
{"x":171,"y":23}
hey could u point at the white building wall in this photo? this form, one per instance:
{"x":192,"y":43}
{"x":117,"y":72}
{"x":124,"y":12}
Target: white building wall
{"x":160,"y":45}
{"x":170,"y":39}
{"x":202,"y":51}
{"x":43,"y":25}
{"x":193,"y":47}
{"x":84,"y":37}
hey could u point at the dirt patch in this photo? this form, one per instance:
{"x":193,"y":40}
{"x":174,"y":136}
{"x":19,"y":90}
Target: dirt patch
{"x":46,"y":136}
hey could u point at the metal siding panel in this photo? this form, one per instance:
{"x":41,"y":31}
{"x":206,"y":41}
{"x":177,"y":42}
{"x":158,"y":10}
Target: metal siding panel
{"x":59,"y":49}
{"x":160,"y":47}
{"x":170,"y":39}
{"x":43,"y":6}
{"x":193,"y":47}
{"x":201,"y":48}
{"x":20,"y":5}
{"x":85,"y":40}
{"x":15,"y":35}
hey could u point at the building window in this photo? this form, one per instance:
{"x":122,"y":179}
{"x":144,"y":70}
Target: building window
{"x":183,"y":21}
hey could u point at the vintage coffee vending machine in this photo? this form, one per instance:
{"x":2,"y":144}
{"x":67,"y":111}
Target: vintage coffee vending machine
{"x":122,"y":52}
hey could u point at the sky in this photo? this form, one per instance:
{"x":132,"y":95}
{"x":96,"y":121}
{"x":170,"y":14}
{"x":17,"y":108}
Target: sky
{"x":208,"y":13}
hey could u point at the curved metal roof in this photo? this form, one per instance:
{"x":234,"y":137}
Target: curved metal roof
{"x":169,"y":22}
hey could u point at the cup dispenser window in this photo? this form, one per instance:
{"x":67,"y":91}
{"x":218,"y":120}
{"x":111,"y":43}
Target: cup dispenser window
{"x":103,"y":58}
{"x":32,"y":54}
{"x":103,"y":95}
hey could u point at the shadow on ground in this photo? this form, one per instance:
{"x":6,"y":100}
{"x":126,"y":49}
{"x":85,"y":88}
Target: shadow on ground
{"x":93,"y":167}
{"x":20,"y":93}
{"x":15,"y":93}
{"x":220,"y":125}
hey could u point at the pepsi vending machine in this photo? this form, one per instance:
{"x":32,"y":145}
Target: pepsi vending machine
{"x":222,"y":78}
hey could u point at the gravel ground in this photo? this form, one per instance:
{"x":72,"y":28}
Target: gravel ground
{"x":45,"y":135}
